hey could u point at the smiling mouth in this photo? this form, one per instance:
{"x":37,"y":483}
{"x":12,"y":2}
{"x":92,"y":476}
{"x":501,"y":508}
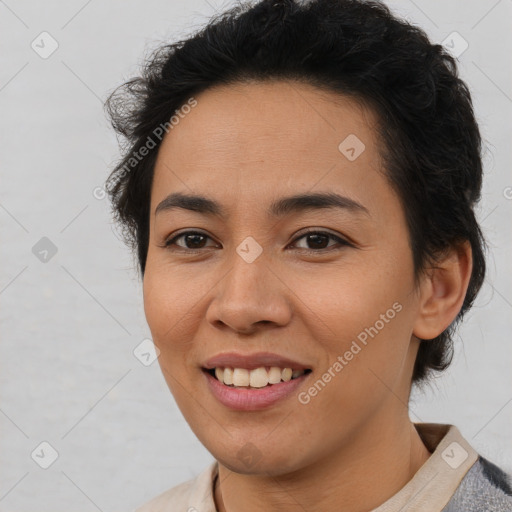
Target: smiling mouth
{"x":254,"y":379}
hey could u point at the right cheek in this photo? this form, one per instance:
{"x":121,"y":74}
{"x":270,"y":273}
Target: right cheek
{"x":156,"y":318}
{"x":154,"y":296}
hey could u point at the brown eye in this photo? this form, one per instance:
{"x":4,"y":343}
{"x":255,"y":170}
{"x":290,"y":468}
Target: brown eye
{"x":319,"y":239}
{"x":193,"y":240}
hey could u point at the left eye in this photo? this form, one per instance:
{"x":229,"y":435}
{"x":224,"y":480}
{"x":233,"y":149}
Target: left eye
{"x":319,"y":237}
{"x":315,"y":237}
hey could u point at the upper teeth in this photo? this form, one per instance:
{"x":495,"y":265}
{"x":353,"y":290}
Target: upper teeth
{"x":257,"y":378}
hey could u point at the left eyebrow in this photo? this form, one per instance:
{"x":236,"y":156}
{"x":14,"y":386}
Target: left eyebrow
{"x":279,"y":208}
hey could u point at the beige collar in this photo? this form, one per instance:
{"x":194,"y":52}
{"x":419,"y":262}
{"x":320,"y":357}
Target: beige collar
{"x":429,"y":490}
{"x":434,"y":483}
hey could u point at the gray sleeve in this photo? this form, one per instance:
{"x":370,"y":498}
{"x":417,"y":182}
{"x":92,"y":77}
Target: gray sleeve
{"x":485,"y":487}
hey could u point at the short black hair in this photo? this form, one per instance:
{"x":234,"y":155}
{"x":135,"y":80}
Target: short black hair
{"x":430,"y":142}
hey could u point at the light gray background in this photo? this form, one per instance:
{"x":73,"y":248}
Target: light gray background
{"x":69,"y":326}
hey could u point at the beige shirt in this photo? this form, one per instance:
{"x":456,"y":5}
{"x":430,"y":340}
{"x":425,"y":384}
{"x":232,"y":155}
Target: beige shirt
{"x":429,"y":490}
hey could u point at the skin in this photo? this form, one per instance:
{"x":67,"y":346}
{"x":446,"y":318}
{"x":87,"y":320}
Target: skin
{"x":245,"y":145}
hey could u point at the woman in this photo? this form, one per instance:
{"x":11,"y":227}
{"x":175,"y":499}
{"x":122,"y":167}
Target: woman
{"x":299,"y":188}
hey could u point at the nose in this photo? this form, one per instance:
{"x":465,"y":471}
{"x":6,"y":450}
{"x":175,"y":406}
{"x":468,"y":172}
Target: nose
{"x":249,"y":296}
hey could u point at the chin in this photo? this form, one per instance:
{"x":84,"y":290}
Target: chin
{"x":250,"y":460}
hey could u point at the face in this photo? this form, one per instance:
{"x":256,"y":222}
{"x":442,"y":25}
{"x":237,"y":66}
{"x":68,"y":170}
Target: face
{"x":330,"y":288}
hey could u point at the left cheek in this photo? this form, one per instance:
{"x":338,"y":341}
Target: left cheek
{"x":364,"y":312}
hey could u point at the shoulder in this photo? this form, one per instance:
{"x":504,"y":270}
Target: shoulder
{"x":194,"y":495}
{"x":484,"y":487}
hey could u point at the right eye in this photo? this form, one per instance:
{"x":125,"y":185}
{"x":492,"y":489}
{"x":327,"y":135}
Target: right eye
{"x":195,"y":238}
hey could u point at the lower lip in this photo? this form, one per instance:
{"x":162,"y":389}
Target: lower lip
{"x":254,"y":399}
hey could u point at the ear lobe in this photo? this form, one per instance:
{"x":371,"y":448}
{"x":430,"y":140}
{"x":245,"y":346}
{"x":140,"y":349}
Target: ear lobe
{"x":442,"y":292}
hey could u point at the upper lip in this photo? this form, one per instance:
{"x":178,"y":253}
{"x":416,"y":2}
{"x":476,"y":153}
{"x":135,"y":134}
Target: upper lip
{"x":252,"y":361}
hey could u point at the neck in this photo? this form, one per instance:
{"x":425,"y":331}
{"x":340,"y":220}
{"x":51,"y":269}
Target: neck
{"x":362,"y":475}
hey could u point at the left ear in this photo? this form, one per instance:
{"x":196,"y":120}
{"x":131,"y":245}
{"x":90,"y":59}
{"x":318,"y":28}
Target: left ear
{"x":442,"y":291}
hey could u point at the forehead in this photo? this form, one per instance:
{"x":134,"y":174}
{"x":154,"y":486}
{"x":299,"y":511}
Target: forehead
{"x":250,"y":140}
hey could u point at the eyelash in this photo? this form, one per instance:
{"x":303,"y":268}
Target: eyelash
{"x":344,"y":243}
